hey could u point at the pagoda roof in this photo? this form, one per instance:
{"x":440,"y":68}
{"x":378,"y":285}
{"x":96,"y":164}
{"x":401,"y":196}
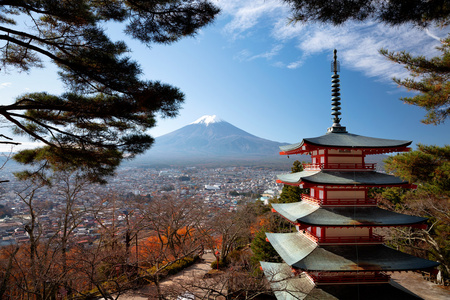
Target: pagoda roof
{"x":283,"y":285}
{"x":343,"y":257}
{"x":326,"y":177}
{"x":287,"y":287}
{"x":311,"y":214}
{"x":292,"y":247}
{"x":345,"y":140}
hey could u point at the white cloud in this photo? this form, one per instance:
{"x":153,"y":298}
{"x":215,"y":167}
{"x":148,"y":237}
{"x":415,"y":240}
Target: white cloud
{"x":295,"y":64}
{"x":246,"y":55}
{"x":431,"y":34}
{"x":269,"y":54}
{"x":357,"y":43}
{"x":243,"y":55}
{"x":285,"y":30}
{"x":5,"y":84}
{"x":247,"y":14}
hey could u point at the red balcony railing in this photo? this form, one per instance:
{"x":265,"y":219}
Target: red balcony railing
{"x":374,"y":239}
{"x":339,"y":202}
{"x":336,"y":278}
{"x":339,"y":166}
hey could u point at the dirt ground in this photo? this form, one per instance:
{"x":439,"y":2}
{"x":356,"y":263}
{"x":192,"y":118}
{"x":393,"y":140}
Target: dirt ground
{"x":414,"y":282}
{"x":199,"y":269}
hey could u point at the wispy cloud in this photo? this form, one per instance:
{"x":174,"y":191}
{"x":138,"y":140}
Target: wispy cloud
{"x":295,"y":64}
{"x":269,"y":54}
{"x":358,"y":43}
{"x":5,"y":85}
{"x":273,"y":52}
{"x":243,"y":55}
{"x":247,"y":55}
{"x":245,"y":15}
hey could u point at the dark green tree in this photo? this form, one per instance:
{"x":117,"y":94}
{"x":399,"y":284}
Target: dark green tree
{"x":392,"y":12}
{"x":291,"y":194}
{"x":262,"y":250}
{"x":107,"y":108}
{"x":428,"y":166}
{"x":430,"y":77}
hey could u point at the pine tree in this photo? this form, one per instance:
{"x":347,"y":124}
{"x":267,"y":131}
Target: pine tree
{"x":430,"y":77}
{"x":428,"y":166}
{"x":289,"y":193}
{"x":262,"y":250}
{"x":107,"y":108}
{"x":392,"y":12}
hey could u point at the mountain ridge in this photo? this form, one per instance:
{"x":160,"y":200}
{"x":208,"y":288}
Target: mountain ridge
{"x":211,"y":139}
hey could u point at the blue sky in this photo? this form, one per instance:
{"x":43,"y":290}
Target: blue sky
{"x":272,"y":79}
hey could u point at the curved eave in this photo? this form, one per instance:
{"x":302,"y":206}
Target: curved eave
{"x":335,"y":178}
{"x":361,"y":258}
{"x":295,"y":178}
{"x":294,"y":211}
{"x":283,"y":285}
{"x":300,"y":252}
{"x":309,"y":214}
{"x":292,"y":247}
{"x":368,"y":145}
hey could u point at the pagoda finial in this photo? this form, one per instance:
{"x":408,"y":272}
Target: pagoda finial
{"x":335,"y":99}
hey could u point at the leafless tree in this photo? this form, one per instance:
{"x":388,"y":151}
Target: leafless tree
{"x":177,"y":230}
{"x":70,"y":188}
{"x":432,"y":240}
{"x":33,"y":268}
{"x":232,"y":229}
{"x":100,"y":271}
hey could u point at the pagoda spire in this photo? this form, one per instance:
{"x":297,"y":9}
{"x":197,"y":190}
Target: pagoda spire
{"x":335,"y":99}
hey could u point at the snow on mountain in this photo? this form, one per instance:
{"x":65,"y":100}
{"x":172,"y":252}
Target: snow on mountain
{"x":208,"y":120}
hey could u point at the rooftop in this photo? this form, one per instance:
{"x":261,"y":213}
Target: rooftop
{"x":371,"y":178}
{"x":300,"y":252}
{"x":311,"y":214}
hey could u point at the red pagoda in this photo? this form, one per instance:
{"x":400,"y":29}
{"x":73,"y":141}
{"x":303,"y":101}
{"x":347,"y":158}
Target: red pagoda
{"x":335,"y":253}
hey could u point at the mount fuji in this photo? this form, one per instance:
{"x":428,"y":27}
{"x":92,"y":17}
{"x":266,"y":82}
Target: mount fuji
{"x":210,"y":140}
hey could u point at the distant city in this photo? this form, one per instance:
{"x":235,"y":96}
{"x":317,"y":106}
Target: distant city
{"x":216,"y":187}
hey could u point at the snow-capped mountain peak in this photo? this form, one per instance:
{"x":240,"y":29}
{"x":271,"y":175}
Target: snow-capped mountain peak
{"x":206,"y":120}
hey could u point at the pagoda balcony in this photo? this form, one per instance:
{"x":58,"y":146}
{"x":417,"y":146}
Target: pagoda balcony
{"x":339,"y":240}
{"x":348,"y":278}
{"x":339,"y":166}
{"x":340,"y":202}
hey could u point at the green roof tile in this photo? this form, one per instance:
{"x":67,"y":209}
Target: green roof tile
{"x":362,"y":257}
{"x":307,"y":213}
{"x":296,"y":210}
{"x":292,"y":247}
{"x":347,"y":140}
{"x":341,"y":178}
{"x":299,"y":251}
{"x":283,"y":284}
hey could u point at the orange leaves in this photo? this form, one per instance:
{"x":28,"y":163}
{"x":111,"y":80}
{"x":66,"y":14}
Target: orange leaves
{"x":261,"y":221}
{"x":164,"y":247}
